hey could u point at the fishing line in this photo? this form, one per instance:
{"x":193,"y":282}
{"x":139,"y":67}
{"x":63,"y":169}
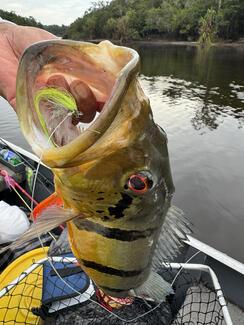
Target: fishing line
{"x":22,"y":199}
{"x":178,"y":273}
{"x":159,"y":304}
{"x":27,"y":205}
{"x":66,"y":283}
{"x":29,"y":164}
{"x":48,"y":257}
{"x":37,"y":170}
{"x":39,"y":162}
{"x":32,"y":168}
{"x":94,"y":131}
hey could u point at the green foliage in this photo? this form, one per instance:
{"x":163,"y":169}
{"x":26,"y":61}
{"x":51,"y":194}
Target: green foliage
{"x":110,"y":28}
{"x":207,"y":28}
{"x":137,"y":19}
{"x":30,"y":21}
{"x":231,"y":19}
{"x":19,"y":20}
{"x":56,"y":29}
{"x":159,"y":20}
{"x":125,"y":20}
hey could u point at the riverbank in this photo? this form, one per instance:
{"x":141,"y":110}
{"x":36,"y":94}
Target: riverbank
{"x":235,"y":44}
{"x":186,"y":43}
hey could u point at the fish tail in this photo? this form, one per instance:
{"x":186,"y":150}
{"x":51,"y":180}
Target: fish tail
{"x":154,"y":288}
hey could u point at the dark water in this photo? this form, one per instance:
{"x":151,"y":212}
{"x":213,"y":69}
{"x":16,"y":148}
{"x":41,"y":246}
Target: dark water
{"x":199,"y":101}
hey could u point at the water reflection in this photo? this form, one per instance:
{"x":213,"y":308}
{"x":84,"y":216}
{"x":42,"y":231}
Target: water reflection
{"x":213,"y":79}
{"x":199,"y":101}
{"x":205,"y":117}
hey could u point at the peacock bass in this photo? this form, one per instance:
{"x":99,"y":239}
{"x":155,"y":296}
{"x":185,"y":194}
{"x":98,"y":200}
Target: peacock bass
{"x":83,"y":111}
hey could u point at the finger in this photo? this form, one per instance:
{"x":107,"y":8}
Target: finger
{"x":8,"y":68}
{"x":24,"y":36}
{"x":59,"y":81}
{"x":12,"y":102}
{"x":85,"y":100}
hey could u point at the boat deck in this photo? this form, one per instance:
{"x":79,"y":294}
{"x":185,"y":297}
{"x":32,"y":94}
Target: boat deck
{"x":236,"y":314}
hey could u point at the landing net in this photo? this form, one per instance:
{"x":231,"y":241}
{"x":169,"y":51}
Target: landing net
{"x":22,"y":300}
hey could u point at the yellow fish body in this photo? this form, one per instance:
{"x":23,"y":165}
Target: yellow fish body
{"x":114,"y":175}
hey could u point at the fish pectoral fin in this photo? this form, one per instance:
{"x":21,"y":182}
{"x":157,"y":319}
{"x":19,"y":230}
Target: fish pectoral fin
{"x":154,"y":288}
{"x":47,"y":220}
{"x":51,"y":200}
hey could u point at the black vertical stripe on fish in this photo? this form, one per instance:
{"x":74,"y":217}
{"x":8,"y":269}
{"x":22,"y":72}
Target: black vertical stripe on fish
{"x":113,"y":233}
{"x":118,"y":209}
{"x":110,"y":270}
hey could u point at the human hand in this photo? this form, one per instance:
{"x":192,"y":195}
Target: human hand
{"x":14,"y":40}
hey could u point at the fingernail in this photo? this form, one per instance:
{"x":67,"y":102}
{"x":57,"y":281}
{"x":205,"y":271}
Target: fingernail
{"x":59,"y":81}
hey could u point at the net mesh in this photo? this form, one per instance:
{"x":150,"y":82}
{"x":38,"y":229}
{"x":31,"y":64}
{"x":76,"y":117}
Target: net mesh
{"x":22,"y":300}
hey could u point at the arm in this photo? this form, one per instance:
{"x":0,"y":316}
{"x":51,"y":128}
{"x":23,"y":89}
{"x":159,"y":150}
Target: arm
{"x":13,"y":41}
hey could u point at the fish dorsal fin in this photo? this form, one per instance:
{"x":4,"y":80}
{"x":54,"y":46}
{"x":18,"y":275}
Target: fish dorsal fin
{"x":174,"y":231}
{"x":48,"y":219}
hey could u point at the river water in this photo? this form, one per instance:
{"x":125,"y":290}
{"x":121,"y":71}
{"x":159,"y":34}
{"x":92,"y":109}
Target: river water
{"x":199,"y":100}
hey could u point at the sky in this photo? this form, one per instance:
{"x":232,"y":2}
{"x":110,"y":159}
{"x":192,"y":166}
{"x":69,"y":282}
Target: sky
{"x":48,"y":12}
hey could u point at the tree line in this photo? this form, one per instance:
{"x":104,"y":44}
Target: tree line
{"x":31,"y":21}
{"x":124,"y":20}
{"x":19,"y":20}
{"x":160,"y":19}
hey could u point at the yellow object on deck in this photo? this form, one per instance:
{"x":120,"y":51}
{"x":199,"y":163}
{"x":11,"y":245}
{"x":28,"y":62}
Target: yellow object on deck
{"x":16,"y":304}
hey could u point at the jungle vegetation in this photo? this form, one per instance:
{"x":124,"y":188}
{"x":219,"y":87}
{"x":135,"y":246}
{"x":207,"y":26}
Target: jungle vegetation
{"x":19,"y":20}
{"x":161,"y":19}
{"x":124,"y":20}
{"x":31,"y":21}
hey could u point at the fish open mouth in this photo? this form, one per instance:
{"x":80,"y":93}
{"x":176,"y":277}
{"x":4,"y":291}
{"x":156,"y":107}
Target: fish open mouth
{"x":69,"y":93}
{"x":68,"y":90}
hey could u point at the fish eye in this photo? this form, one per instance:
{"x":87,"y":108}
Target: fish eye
{"x":140,"y":182}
